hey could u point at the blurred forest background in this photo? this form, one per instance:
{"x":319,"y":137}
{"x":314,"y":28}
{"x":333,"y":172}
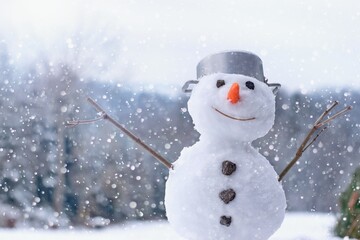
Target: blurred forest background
{"x":52,"y":176}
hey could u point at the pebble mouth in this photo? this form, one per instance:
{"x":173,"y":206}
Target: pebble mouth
{"x":234,"y":118}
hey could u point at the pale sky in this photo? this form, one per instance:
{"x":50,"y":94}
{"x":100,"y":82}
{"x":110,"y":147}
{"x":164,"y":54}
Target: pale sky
{"x":304,"y":45}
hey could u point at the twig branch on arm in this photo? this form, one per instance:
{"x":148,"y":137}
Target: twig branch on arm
{"x":317,"y":125}
{"x":315,"y":138}
{"x":105,"y":116}
{"x":77,"y":122}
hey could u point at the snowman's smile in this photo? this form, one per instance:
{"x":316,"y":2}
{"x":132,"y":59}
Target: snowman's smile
{"x":234,"y":118}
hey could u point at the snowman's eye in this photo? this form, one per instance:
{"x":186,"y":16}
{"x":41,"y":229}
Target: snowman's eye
{"x":220,"y":83}
{"x":250,"y":85}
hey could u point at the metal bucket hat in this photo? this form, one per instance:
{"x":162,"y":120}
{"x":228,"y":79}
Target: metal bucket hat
{"x":231,"y":62}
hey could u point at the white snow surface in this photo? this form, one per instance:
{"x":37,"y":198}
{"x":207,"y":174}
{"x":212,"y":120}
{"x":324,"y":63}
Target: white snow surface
{"x":192,"y":200}
{"x":296,"y":226}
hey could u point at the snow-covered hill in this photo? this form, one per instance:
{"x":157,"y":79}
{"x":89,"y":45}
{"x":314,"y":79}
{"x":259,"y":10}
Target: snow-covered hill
{"x":297,"y":226}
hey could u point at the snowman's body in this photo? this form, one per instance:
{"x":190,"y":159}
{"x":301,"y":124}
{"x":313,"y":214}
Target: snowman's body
{"x":222,"y":188}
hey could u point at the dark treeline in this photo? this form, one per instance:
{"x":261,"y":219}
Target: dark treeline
{"x":53,"y":176}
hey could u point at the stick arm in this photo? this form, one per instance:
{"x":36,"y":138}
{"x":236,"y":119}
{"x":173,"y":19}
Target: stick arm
{"x":318,"y":124}
{"x":107,"y":117}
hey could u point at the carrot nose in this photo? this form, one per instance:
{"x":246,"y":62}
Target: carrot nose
{"x":234,"y":93}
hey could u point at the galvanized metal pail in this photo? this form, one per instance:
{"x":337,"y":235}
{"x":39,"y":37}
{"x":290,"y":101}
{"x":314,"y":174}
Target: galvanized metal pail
{"x":232,"y":62}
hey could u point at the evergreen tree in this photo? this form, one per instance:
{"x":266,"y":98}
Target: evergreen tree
{"x":349,"y":222}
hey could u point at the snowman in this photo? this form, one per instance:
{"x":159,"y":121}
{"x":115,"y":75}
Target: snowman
{"x":223,"y":188}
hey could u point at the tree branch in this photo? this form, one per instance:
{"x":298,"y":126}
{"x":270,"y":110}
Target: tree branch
{"x":74,"y":123}
{"x":105,"y":116}
{"x":326,"y":112}
{"x":348,"y":108}
{"x":315,"y":138}
{"x":318,"y":123}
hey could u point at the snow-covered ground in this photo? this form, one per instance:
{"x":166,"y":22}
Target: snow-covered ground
{"x":297,"y":226}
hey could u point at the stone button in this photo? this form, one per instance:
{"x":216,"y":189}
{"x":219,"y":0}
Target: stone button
{"x":228,"y":167}
{"x":225,"y":220}
{"x":227,"y":195}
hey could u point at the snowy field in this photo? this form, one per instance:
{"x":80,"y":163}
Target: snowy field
{"x":297,"y":226}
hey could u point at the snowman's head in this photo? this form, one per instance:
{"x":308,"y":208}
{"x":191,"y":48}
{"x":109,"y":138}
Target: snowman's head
{"x":232,"y":106}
